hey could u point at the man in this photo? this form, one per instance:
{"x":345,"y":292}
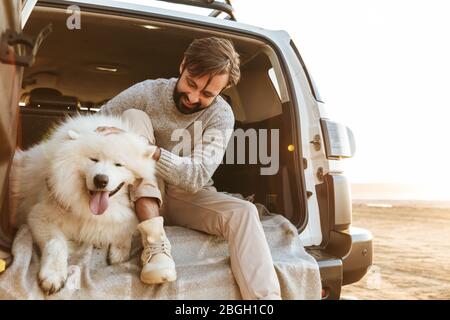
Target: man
{"x":191,"y":107}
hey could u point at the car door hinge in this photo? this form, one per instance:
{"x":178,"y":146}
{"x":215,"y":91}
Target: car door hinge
{"x":21,"y":56}
{"x":320,"y":174}
{"x":305,"y":164}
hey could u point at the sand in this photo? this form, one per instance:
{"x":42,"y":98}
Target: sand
{"x":411,"y":253}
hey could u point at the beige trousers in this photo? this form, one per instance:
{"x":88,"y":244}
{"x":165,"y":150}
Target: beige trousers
{"x":218,"y":214}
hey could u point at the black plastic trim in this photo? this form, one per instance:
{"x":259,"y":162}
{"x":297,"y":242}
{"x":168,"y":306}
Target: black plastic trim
{"x":360,"y":258}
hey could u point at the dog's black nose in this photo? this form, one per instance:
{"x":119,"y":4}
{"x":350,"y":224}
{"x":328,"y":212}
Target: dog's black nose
{"x":101,"y":180}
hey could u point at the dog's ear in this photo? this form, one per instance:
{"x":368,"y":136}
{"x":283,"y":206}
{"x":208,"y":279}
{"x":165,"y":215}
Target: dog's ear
{"x":73,"y":135}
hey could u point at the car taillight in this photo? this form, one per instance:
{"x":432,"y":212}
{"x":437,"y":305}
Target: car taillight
{"x":338,"y":139}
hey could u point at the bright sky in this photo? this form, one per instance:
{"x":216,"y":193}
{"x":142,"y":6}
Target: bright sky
{"x":383,"y":69}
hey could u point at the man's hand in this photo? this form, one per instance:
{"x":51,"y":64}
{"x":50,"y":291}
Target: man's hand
{"x":147,"y":208}
{"x":108,"y":130}
{"x":157,"y":153}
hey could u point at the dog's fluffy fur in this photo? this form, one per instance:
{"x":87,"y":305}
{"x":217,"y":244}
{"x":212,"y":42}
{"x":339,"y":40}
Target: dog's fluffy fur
{"x":53,"y":190}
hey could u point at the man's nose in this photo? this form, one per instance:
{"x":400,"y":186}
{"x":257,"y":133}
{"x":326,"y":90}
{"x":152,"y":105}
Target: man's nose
{"x":193,"y":97}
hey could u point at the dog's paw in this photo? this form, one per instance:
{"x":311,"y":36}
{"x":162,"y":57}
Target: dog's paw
{"x":117,"y":254}
{"x":51,"y":280}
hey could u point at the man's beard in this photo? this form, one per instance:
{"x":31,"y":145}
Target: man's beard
{"x":180,"y":105}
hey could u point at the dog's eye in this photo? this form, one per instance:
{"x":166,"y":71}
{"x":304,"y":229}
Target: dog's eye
{"x":118,"y":164}
{"x":93,"y":159}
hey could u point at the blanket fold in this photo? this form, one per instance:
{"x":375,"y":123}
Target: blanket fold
{"x":202,"y":264}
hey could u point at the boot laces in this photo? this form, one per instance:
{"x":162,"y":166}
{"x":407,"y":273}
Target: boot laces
{"x":152,"y":248}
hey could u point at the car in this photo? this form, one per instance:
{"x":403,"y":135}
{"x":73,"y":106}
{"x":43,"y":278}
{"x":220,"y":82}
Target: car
{"x":66,"y":57}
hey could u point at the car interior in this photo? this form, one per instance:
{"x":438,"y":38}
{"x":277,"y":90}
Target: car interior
{"x":77,"y":71}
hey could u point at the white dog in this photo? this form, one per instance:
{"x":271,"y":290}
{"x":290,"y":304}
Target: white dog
{"x":74,"y":186}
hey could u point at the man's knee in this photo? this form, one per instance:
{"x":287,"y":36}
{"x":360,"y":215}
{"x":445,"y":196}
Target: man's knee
{"x":247,"y":212}
{"x":134,"y":114}
{"x":140,"y":122}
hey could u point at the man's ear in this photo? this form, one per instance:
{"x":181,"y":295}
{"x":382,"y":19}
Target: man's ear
{"x":73,"y":135}
{"x":182,"y":65}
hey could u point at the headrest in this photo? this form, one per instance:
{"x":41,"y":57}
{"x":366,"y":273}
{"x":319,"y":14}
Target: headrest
{"x":49,"y":98}
{"x":38,"y":92}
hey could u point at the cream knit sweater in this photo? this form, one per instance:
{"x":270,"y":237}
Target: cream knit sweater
{"x":192,"y":145}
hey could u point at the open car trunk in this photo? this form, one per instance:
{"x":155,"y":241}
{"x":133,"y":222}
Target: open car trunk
{"x":78,"y":70}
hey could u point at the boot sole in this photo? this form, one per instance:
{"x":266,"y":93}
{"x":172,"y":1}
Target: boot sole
{"x":160,"y":276}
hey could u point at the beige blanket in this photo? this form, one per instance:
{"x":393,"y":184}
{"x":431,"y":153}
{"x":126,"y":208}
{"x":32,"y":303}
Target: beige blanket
{"x":202,"y":263}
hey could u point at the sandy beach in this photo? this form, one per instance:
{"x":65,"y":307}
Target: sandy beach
{"x":411,"y":252}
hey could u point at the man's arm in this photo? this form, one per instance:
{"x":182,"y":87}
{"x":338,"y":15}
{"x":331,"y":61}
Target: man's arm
{"x":193,"y":172}
{"x":133,"y":97}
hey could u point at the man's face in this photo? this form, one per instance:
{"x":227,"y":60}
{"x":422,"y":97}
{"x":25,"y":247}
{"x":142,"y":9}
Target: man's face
{"x":196,"y":93}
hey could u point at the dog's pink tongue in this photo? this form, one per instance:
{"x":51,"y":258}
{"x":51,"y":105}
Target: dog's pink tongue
{"x":98,"y":202}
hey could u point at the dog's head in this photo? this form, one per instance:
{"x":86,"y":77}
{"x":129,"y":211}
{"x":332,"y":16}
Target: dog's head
{"x":95,"y":160}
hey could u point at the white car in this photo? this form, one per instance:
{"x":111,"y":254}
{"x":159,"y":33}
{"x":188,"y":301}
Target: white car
{"x":85,"y":59}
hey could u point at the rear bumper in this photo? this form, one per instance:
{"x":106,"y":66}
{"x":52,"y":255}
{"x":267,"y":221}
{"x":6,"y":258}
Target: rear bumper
{"x":336,"y":272}
{"x":358,"y":261}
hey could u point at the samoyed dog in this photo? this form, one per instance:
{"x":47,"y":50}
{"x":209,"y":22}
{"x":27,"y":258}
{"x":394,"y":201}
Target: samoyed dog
{"x":74,"y":186}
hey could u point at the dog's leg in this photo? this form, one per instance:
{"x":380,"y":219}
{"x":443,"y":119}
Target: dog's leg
{"x":54,"y":251}
{"x":53,"y":272}
{"x":118,"y":253}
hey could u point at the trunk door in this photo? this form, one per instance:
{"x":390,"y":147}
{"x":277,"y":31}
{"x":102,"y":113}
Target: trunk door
{"x":11,"y":73}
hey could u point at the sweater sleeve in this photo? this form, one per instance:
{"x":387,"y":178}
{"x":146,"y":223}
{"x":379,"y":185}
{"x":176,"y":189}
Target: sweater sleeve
{"x":193,"y":172}
{"x":133,"y":97}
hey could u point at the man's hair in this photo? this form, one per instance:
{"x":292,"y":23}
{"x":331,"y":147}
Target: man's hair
{"x":213,"y":56}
